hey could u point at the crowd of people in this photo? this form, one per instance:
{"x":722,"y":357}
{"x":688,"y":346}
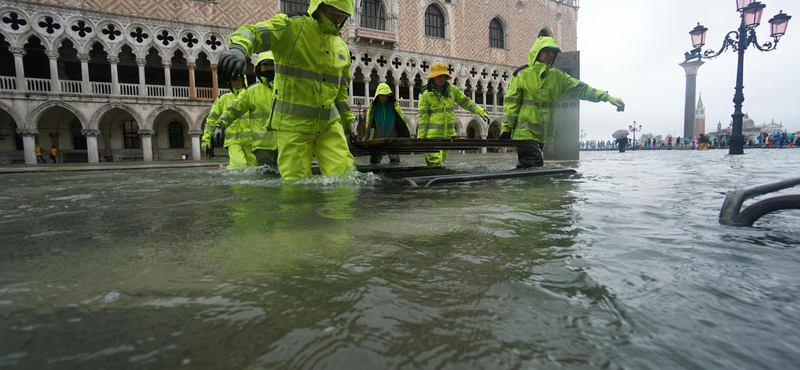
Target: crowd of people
{"x":702,"y":142}
{"x":299,"y":109}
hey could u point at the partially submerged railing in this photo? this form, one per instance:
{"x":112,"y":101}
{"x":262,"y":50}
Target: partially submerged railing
{"x":732,"y":213}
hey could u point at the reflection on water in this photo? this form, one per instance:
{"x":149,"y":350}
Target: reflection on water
{"x":622,"y":266}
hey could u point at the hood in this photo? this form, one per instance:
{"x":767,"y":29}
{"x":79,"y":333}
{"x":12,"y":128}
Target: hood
{"x":343,"y":5}
{"x":541,"y":43}
{"x":267,"y":55}
{"x":383,"y":89}
{"x":244,"y":86}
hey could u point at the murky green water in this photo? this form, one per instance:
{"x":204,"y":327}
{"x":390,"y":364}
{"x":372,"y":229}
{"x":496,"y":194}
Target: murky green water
{"x":623,"y":266}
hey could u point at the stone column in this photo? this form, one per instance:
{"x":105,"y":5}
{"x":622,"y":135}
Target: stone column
{"x":147,"y":144}
{"x":141,"y":62}
{"x":350,"y":91}
{"x":214,"y":82}
{"x":196,"y":134}
{"x":484,"y":97}
{"x":495,"y":91}
{"x":397,"y":90}
{"x":691,"y":96}
{"x":192,"y":87}
{"x":19,"y":67}
{"x":55,"y":85}
{"x":85,"y":86}
{"x":114,"y":61}
{"x":29,"y":143}
{"x":91,"y":145}
{"x":483,"y":137}
{"x":366,"y":88}
{"x":167,"y":81}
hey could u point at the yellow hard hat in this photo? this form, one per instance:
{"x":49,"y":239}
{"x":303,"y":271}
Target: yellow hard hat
{"x":438,"y":69}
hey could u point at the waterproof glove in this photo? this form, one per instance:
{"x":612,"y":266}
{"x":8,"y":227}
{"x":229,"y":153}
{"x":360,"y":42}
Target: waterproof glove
{"x":617,"y":102}
{"x":505,"y":136}
{"x":218,"y":135}
{"x":204,"y":146}
{"x":232,"y":63}
{"x":485,"y":118}
{"x":351,"y":141}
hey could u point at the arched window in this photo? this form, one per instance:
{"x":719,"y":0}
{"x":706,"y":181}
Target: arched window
{"x":131,"y":134}
{"x":544,"y":32}
{"x":497,"y":37}
{"x":78,"y":140}
{"x":373,"y":15}
{"x":434,"y":22}
{"x":294,"y":6}
{"x":175,"y":135}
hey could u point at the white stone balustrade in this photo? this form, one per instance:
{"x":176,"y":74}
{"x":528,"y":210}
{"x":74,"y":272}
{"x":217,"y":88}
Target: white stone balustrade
{"x":129,"y":89}
{"x":38,"y":84}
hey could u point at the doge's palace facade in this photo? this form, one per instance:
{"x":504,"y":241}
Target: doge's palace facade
{"x":133,"y":80}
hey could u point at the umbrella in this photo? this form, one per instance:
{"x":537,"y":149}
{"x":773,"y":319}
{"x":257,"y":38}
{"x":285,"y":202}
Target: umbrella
{"x":764,"y":133}
{"x":620,"y":134}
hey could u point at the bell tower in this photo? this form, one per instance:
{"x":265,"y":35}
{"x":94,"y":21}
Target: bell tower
{"x":700,"y":117}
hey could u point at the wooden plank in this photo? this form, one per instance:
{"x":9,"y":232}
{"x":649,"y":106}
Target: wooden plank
{"x":445,"y":179}
{"x":410,"y":145}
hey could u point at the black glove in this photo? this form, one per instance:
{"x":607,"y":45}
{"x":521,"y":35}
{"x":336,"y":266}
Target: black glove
{"x":486,"y":119}
{"x":505,"y":136}
{"x":219,"y":137}
{"x":352,"y":138}
{"x":232,"y":63}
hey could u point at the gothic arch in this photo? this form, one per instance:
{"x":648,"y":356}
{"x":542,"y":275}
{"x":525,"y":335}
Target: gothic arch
{"x":13,"y":113}
{"x":95,"y":123}
{"x":152,"y":117}
{"x":36,"y":113}
{"x":200,"y":122}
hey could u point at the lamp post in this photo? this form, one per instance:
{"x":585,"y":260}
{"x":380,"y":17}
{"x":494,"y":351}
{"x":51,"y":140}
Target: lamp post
{"x":634,"y":129}
{"x":750,"y":12}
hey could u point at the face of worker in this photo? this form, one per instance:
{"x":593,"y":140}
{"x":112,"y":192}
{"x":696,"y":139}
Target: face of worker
{"x":383,"y":99}
{"x":440,"y":80}
{"x":336,"y":18}
{"x":238,"y":83}
{"x":546,"y":55}
{"x":266,"y":67}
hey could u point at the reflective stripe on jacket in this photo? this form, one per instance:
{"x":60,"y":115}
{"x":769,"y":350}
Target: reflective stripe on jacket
{"x":312,"y":69}
{"x":437,"y":118}
{"x":531,"y":102}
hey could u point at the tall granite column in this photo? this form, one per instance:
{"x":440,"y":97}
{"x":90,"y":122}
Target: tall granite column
{"x":147,"y":144}
{"x":214,"y":82}
{"x":91,"y":145}
{"x":114,"y":61}
{"x":29,"y":144}
{"x":196,"y":134}
{"x":690,"y":68}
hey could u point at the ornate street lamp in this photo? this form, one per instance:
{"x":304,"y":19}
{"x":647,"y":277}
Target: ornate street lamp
{"x":750,"y":12}
{"x":634,"y":129}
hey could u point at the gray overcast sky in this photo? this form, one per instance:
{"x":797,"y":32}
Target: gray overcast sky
{"x":632,"y":49}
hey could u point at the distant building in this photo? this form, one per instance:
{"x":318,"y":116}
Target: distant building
{"x":700,"y":117}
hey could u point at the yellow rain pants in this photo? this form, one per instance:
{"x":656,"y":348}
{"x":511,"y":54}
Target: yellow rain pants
{"x":296,"y":151}
{"x":240,"y":156}
{"x":436,"y":158}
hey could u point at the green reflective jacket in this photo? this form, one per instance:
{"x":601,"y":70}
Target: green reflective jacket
{"x":216,"y":112}
{"x":400,"y":124}
{"x":531,"y":103}
{"x":437,"y":117}
{"x":312,"y":68}
{"x":255,"y":102}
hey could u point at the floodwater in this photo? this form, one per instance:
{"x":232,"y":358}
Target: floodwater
{"x":622,"y":266}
